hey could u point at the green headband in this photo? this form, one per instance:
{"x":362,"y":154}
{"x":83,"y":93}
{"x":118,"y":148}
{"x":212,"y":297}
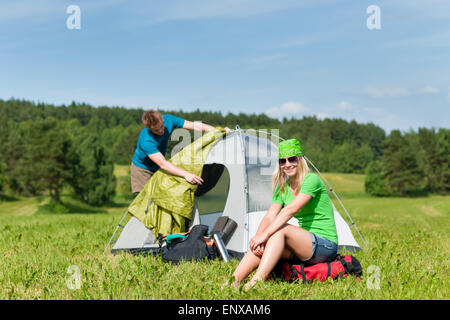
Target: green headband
{"x":289,"y":148}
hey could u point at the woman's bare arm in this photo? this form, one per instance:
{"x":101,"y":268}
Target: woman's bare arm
{"x":270,"y":215}
{"x":280,"y":220}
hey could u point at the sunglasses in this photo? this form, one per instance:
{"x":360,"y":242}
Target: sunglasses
{"x":293,"y":159}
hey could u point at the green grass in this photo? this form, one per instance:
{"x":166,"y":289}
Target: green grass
{"x":408,"y":240}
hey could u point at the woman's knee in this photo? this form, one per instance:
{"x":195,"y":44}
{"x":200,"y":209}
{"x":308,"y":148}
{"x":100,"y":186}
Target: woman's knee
{"x":277,"y":236}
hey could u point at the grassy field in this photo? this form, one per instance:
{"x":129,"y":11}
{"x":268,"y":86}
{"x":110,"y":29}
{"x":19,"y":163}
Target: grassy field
{"x":48,"y":255}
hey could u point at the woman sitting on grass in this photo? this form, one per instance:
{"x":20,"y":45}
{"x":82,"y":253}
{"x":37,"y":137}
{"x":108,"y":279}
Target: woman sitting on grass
{"x":300,"y":194}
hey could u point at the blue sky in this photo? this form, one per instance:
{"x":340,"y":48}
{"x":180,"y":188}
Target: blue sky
{"x":284,"y":58}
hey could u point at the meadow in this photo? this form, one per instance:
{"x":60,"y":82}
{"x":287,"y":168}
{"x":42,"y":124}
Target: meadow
{"x":48,"y":252}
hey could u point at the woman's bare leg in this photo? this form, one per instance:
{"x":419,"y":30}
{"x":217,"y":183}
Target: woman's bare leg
{"x":282,"y":244}
{"x":248,"y":263}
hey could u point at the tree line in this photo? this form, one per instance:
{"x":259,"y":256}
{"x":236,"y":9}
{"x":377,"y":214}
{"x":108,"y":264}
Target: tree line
{"x":45,"y":148}
{"x":411,"y":164}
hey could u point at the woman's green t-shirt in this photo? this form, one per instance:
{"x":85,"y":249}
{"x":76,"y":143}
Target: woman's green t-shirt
{"x":317,"y":215}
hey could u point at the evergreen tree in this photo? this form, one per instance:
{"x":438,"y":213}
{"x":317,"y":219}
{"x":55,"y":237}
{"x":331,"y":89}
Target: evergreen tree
{"x":3,"y":177}
{"x":3,"y":139}
{"x":362,"y":156}
{"x":443,"y":183}
{"x":93,"y":175}
{"x":428,"y":140}
{"x":123,"y":148}
{"x":13,"y":150}
{"x":47,"y":159}
{"x":350,"y":158}
{"x":341,"y":159}
{"x":374,"y":183}
{"x":402,"y":173}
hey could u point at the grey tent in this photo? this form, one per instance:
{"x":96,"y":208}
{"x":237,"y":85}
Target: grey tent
{"x":250,"y":158}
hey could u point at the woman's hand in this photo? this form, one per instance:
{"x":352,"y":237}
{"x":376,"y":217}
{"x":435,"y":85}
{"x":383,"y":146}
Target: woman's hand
{"x":258,"y":240}
{"x":259,"y":251}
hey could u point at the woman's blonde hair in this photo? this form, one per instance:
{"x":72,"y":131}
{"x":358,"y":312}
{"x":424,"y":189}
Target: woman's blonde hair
{"x":279,"y":177}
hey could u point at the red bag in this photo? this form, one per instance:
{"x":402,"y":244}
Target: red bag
{"x":340,"y":268}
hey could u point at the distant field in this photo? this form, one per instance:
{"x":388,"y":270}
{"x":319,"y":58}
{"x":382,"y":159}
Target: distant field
{"x":121,"y":170}
{"x":350,"y":183}
{"x":41,"y":252}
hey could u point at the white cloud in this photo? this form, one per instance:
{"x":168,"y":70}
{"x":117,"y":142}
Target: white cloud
{"x":377,"y":115}
{"x":429,"y":90}
{"x":380,"y":116}
{"x":287,"y":109}
{"x":322,"y":115}
{"x":397,"y":92}
{"x":373,"y":92}
{"x":345,"y":105}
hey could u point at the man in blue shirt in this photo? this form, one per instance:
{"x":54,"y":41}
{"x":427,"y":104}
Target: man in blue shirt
{"x":151,"y":148}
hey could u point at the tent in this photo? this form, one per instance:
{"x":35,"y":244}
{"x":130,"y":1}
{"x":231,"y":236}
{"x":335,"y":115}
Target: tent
{"x":250,"y":158}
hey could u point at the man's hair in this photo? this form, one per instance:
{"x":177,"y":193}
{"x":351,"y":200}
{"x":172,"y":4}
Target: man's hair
{"x":152,"y":119}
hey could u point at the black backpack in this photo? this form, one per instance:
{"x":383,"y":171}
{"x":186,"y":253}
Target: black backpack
{"x":192,"y":246}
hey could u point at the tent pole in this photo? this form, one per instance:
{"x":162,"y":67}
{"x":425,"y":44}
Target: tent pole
{"x":247,"y":218}
{"x":118,"y":225}
{"x":353,"y":223}
{"x":339,"y":200}
{"x":269,"y":134}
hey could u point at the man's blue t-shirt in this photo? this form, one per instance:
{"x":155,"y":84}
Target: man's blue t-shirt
{"x":150,"y":143}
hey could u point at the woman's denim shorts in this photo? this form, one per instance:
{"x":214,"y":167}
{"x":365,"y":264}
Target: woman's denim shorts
{"x":324,"y":250}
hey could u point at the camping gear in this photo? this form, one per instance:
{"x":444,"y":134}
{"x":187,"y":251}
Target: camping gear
{"x":225,"y":227}
{"x":342,"y":267}
{"x":171,"y":237}
{"x":220,"y":246}
{"x":170,"y":241}
{"x":193,"y":246}
{"x":249,"y":158}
